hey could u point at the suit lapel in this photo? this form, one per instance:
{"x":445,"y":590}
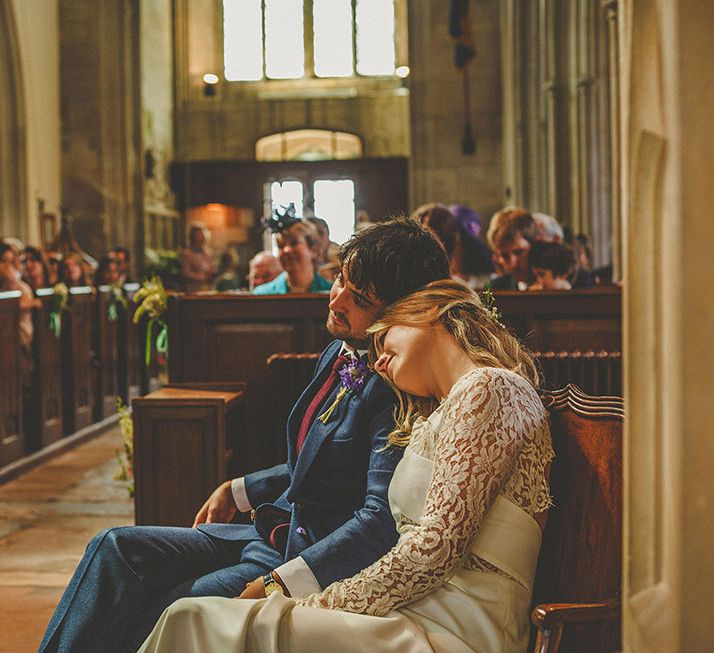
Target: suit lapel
{"x":295,"y":418}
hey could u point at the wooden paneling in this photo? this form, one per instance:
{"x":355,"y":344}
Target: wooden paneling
{"x":576,"y":320}
{"x":186,"y":442}
{"x":46,"y":424}
{"x":77,"y":360}
{"x":224,"y":337}
{"x":12,"y":444}
{"x":106,"y":352}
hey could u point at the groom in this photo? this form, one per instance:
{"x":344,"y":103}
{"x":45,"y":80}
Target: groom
{"x":321,"y":517}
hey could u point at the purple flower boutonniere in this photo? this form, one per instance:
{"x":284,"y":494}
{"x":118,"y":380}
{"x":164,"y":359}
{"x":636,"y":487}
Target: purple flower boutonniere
{"x":353,"y":375}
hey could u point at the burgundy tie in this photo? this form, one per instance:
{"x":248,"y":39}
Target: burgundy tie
{"x":325,"y":390}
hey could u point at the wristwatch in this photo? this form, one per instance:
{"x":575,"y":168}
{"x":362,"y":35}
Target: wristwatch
{"x":272,"y":585}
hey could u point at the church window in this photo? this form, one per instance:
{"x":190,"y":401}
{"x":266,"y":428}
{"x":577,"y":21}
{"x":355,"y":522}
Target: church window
{"x":292,"y":39}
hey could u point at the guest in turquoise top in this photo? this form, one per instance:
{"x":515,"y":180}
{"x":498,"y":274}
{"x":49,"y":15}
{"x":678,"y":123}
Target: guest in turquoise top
{"x":298,"y":252}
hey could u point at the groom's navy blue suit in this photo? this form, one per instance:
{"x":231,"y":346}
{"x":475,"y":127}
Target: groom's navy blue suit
{"x":333,"y":494}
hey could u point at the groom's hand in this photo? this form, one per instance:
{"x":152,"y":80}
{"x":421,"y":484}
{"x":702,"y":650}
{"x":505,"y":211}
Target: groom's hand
{"x":253,"y":590}
{"x":220,"y":507}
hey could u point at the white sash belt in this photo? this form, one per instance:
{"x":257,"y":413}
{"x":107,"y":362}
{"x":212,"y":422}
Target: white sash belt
{"x":509,"y":538}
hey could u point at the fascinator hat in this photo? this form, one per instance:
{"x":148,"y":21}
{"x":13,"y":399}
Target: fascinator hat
{"x":281,"y":218}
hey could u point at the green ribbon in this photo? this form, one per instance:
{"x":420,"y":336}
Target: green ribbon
{"x":112,"y":312}
{"x":162,"y":338}
{"x":56,"y":324}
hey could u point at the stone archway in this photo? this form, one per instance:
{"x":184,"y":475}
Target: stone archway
{"x":13,"y":168}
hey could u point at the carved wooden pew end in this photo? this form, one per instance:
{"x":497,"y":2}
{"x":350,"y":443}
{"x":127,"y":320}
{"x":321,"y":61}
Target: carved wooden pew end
{"x":187,"y":440}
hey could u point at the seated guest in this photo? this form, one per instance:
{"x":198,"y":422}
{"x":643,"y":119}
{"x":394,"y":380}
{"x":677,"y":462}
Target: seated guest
{"x":107,"y":273}
{"x":123,"y":258}
{"x":469,"y":499}
{"x":298,"y":247}
{"x":16,"y":247}
{"x":54,"y":262}
{"x":227,"y":278}
{"x":327,"y":248}
{"x":71,"y":270}
{"x":476,"y":265}
{"x":263,"y":267}
{"x":35,"y":274}
{"x":552,"y":264}
{"x":548,"y":228}
{"x":10,"y":280}
{"x":198,"y":267}
{"x":510,"y":235}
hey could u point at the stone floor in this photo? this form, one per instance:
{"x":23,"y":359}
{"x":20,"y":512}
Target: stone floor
{"x":47,"y":516}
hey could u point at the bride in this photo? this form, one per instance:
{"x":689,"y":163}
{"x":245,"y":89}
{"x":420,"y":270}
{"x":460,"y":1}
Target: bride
{"x":469,"y":499}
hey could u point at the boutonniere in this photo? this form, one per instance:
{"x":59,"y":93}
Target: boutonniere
{"x":353,"y":375}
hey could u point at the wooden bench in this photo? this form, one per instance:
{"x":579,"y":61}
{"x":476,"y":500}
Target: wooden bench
{"x":46,"y":424}
{"x":78,"y":377}
{"x":12,"y":444}
{"x":187,"y":440}
{"x":106,"y":354}
{"x":578,"y":578}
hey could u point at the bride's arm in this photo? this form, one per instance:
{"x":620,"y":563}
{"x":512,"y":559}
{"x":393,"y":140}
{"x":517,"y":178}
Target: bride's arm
{"x":478,"y":443}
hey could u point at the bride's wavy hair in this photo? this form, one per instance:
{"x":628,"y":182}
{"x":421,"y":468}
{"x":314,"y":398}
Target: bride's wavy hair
{"x":460,"y":311}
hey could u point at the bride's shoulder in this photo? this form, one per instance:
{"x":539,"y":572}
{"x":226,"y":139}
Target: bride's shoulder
{"x":496,"y":383}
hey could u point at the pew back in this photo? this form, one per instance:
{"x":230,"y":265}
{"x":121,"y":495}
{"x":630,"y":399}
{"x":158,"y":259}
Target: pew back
{"x":581,"y":555}
{"x":11,"y":440}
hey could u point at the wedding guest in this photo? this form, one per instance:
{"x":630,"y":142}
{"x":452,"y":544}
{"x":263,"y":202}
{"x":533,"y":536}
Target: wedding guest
{"x":552,"y":264}
{"x":54,"y":262}
{"x":10,"y":280}
{"x":476,"y":265}
{"x":108,"y":271}
{"x":548,"y":228}
{"x":228,"y":278}
{"x":511,"y":233}
{"x":36,"y":273}
{"x":298,"y":250}
{"x":198,"y":266}
{"x":123,"y":258}
{"x":469,"y":499}
{"x":263,"y":267}
{"x":71,"y":270}
{"x":16,"y":247}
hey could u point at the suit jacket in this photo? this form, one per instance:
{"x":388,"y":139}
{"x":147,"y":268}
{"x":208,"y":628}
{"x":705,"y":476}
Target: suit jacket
{"x":334,"y":494}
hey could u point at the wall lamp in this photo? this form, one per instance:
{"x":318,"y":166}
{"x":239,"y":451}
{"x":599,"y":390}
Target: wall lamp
{"x":210,"y":84}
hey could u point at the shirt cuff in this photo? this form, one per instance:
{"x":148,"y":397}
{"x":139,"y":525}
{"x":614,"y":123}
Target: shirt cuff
{"x":240,"y":496}
{"x":298,"y":578}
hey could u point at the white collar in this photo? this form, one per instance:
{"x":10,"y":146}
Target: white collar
{"x":350,"y":352}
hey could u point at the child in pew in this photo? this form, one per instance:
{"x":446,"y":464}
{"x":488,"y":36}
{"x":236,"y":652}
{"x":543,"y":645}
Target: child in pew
{"x":552,"y":263}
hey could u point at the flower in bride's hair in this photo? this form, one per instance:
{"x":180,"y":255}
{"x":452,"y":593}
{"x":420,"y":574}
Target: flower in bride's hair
{"x":489,"y":303}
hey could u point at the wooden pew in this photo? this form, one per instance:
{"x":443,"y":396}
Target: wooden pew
{"x":587,"y":319}
{"x":187,"y":440}
{"x":12,"y":444}
{"x":228,"y":337}
{"x":130,"y":348}
{"x":106,"y":354}
{"x":77,"y":360}
{"x":46,"y":425}
{"x":578,"y":578}
{"x":597,"y":373}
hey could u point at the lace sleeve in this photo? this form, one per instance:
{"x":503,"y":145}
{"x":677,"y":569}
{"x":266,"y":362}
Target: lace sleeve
{"x":481,"y":435}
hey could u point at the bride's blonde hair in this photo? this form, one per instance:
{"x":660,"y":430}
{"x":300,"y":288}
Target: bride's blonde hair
{"x":460,"y":311}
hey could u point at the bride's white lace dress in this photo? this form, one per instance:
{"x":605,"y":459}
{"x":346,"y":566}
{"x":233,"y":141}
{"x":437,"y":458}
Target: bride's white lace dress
{"x":459,"y":578}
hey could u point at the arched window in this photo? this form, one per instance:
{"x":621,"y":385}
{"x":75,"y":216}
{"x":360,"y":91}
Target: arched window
{"x":265,"y":39}
{"x":308,"y":145}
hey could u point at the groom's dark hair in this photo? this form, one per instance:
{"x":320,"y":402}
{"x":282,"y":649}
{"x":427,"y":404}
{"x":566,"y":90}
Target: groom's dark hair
{"x":394,"y":258}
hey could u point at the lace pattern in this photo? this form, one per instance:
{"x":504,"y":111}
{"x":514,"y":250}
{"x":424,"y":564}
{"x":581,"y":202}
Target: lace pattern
{"x":493,"y":439}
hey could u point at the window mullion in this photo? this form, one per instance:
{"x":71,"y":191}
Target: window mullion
{"x":354,"y":37}
{"x":308,"y":39}
{"x":265,"y":70}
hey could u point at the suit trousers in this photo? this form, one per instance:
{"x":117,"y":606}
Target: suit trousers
{"x":129,"y":575}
